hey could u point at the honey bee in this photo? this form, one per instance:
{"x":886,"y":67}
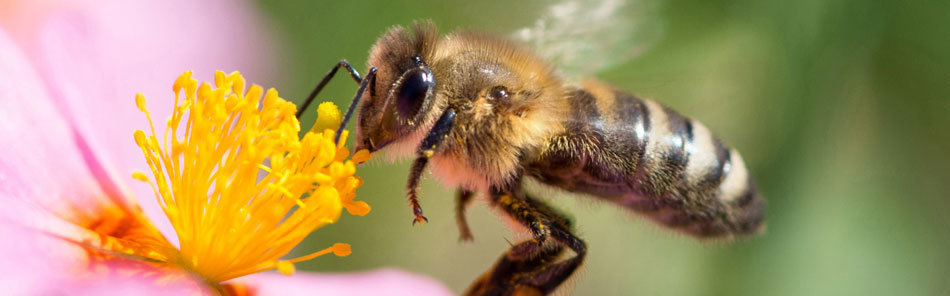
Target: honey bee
{"x":487,"y":114}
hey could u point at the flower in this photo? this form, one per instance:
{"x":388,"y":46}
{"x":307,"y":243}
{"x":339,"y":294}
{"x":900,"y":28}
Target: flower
{"x":75,"y":230}
{"x":65,"y":131}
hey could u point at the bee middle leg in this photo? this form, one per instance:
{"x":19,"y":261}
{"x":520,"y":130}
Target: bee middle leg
{"x":464,"y":198}
{"x":530,"y":267}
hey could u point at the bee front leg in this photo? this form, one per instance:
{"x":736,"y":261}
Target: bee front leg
{"x":464,"y":198}
{"x":530,"y":267}
{"x":430,"y":144}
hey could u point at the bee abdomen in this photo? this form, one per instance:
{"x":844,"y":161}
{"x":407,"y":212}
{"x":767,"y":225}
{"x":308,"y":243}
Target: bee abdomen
{"x":689,"y":180}
{"x":651,"y":159}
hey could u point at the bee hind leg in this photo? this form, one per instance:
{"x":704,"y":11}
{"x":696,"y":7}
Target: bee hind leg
{"x":531,"y":267}
{"x":513,"y":265}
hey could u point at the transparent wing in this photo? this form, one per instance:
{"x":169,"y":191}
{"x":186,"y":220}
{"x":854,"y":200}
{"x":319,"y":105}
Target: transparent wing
{"x":583,"y":37}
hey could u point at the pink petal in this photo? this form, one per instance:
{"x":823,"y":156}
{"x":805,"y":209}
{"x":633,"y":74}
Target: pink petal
{"x":121,"y":286}
{"x":390,"y":282}
{"x":44,"y":175}
{"x":38,"y":264}
{"x":95,"y":57}
{"x":41,"y":169}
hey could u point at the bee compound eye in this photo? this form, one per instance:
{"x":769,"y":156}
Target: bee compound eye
{"x":413,"y":90}
{"x":498,"y":92}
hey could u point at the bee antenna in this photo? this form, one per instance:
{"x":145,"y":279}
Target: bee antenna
{"x":326,"y":79}
{"x":370,"y":77}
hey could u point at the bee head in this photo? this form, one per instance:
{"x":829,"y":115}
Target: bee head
{"x":399,"y":100}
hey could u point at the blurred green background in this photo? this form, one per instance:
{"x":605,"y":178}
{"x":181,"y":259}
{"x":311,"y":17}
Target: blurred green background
{"x":839,"y":108}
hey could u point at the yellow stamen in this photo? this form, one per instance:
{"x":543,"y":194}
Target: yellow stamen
{"x":338,"y":249}
{"x":286,"y":267}
{"x":329,"y":117}
{"x":361,"y":156}
{"x":237,"y":183}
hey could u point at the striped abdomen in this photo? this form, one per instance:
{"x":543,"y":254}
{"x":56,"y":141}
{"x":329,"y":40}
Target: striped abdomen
{"x":647,"y":157}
